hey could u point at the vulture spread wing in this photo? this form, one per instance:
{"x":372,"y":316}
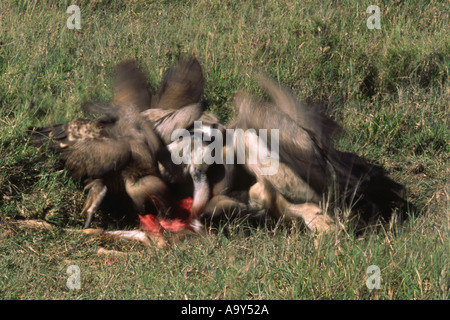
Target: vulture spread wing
{"x":181,"y":85}
{"x":130,"y":86}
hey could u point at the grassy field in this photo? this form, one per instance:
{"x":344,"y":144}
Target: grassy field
{"x":388,"y":88}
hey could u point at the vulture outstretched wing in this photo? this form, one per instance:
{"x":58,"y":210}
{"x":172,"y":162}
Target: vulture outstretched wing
{"x":297,"y":148}
{"x":130,"y":86}
{"x":181,"y":85}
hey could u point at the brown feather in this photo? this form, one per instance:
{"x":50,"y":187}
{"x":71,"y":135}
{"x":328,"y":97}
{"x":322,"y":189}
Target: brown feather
{"x":96,"y":157}
{"x":181,"y":85}
{"x":130,"y":86}
{"x":296,"y":147}
{"x":317,"y":124}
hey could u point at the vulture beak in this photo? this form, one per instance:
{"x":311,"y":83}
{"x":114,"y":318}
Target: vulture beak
{"x":201,"y":191}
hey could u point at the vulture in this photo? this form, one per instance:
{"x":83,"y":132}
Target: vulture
{"x":310,"y":171}
{"x":128,"y":152}
{"x":118,"y":153}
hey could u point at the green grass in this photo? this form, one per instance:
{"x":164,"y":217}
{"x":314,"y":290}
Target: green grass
{"x":388,"y":88}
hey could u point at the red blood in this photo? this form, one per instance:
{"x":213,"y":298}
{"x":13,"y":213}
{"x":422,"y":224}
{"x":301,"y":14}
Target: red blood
{"x":185,"y":204}
{"x":180,"y":221}
{"x":150,"y":223}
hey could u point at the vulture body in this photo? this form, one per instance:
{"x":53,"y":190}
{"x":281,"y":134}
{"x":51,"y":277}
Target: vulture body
{"x":311,"y":171}
{"x":118,"y":153}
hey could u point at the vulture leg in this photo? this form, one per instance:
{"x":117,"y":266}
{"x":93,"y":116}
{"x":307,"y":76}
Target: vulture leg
{"x":315,"y":219}
{"x":97,"y":192}
{"x":264,"y":196}
{"x":222,"y":205}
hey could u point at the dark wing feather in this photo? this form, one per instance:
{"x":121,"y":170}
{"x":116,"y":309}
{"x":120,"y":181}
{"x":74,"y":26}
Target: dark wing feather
{"x":106,"y":109}
{"x":130,"y":86}
{"x":52,"y":135}
{"x":181,"y":85}
{"x":130,"y":90}
{"x":96,"y":157}
{"x":86,"y":147}
{"x":317,"y":124}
